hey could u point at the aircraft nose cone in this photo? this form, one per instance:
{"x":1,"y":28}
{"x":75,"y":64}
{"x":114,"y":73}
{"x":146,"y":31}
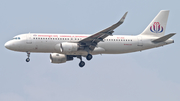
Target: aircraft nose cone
{"x":7,"y":45}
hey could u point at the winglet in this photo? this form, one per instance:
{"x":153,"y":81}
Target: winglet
{"x":164,"y":38}
{"x":123,"y":18}
{"x":111,"y":28}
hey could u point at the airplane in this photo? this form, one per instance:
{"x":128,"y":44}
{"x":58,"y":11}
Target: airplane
{"x":65,"y":47}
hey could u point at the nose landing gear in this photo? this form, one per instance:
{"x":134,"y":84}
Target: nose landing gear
{"x":28,"y":59}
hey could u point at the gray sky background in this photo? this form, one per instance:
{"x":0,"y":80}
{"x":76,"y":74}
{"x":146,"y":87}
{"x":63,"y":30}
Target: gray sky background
{"x":151,"y":75}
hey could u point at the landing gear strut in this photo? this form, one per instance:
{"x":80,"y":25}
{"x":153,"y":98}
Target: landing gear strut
{"x":28,"y":59}
{"x":82,"y":63}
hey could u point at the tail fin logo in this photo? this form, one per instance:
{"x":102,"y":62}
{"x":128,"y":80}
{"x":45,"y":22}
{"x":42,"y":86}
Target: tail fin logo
{"x":156,"y":28}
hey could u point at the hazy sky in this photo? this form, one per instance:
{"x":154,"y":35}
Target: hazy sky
{"x":151,"y":75}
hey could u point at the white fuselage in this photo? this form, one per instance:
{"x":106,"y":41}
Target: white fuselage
{"x":115,"y":44}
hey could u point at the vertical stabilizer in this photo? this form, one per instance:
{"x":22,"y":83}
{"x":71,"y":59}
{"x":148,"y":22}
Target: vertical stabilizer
{"x":157,"y":26}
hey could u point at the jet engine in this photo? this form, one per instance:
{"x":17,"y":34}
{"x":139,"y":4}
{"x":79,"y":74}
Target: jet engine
{"x":59,"y":58}
{"x":67,"y":47}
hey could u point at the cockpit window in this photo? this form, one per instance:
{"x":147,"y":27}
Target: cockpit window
{"x":16,"y":38}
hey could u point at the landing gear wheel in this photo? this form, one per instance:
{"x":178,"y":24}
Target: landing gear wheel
{"x":27,"y":60}
{"x":81,"y":64}
{"x":28,"y":55}
{"x":89,"y":57}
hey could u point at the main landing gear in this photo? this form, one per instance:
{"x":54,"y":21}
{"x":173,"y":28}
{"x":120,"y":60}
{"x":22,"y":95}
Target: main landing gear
{"x":82,"y":63}
{"x":28,"y":59}
{"x":89,"y":57}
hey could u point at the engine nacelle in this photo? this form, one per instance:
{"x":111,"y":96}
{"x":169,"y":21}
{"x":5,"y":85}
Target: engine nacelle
{"x":67,"y":47}
{"x":59,"y":58}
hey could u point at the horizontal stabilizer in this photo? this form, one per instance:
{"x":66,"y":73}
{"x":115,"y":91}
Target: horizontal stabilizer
{"x":164,"y":38}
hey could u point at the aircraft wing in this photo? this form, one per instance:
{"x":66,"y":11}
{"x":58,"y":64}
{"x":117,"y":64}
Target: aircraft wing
{"x":92,"y":40}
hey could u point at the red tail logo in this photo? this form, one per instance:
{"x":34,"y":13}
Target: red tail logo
{"x":156,"y":28}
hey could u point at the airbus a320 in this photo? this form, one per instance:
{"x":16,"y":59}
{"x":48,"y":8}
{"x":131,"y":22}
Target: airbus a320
{"x":65,"y":47}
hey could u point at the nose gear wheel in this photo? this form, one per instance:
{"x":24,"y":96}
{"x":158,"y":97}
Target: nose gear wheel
{"x":28,"y":55}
